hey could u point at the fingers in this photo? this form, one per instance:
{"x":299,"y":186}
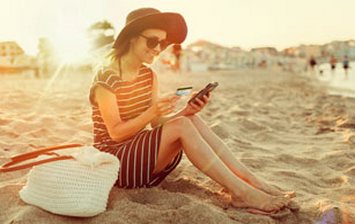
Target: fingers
{"x":165,"y":107}
{"x":170,"y":98}
{"x":168,"y":110}
{"x":194,"y":107}
{"x":199,"y":104}
{"x":206,"y":98}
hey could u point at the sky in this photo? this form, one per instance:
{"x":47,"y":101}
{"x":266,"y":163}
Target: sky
{"x":242,"y":23}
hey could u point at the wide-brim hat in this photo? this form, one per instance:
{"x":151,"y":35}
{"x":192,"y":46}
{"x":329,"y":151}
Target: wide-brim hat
{"x":149,"y":18}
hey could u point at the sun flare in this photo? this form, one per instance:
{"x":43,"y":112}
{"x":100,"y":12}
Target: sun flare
{"x":71,"y":48}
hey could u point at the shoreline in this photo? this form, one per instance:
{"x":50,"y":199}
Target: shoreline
{"x":338,"y":82}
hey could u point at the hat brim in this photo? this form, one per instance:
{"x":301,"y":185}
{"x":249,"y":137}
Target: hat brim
{"x":173,"y":23}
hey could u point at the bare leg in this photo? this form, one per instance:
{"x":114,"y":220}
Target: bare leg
{"x":201,"y":155}
{"x":221,"y":149}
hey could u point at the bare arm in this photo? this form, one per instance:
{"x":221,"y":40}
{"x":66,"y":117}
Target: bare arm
{"x":162,"y":119}
{"x":188,"y":110}
{"x":120,"y":130}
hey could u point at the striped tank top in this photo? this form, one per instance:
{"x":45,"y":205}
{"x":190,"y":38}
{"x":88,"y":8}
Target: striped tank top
{"x":133,"y":98}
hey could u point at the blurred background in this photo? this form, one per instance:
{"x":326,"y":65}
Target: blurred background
{"x":39,"y":37}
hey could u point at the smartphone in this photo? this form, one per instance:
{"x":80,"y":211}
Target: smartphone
{"x":183,"y":91}
{"x":209,"y":88}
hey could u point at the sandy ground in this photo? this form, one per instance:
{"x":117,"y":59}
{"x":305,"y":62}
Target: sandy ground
{"x":284,"y":127}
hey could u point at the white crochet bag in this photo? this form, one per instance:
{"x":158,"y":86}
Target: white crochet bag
{"x":75,"y":181}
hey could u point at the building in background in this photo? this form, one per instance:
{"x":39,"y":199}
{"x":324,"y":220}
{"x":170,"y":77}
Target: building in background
{"x":14,"y":60}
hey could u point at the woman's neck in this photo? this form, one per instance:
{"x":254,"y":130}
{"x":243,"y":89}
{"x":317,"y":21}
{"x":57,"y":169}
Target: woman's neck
{"x":129,"y":66}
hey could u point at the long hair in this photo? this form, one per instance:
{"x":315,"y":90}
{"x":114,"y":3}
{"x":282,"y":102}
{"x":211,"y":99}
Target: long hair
{"x":107,"y":55}
{"x":116,"y":53}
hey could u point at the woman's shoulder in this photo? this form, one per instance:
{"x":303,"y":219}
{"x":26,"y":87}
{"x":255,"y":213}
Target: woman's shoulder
{"x":106,"y":77}
{"x":145,"y":68}
{"x":106,"y":74}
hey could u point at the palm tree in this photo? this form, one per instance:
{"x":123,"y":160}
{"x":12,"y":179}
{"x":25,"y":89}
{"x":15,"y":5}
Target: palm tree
{"x":100,"y":34}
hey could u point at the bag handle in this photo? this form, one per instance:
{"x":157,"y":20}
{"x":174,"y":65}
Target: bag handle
{"x":8,"y":167}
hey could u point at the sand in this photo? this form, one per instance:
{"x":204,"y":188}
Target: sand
{"x":285,"y":127}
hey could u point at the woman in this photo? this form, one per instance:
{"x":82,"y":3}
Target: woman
{"x":125,"y":100}
{"x":346,"y":64}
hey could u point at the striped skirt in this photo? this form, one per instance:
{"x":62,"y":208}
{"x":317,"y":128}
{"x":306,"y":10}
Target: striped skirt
{"x":138,"y":157}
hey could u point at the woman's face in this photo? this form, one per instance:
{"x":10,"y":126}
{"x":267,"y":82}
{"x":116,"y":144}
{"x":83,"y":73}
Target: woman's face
{"x":142,"y":50}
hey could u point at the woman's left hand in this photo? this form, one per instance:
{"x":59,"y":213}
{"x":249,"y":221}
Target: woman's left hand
{"x":196,"y":106}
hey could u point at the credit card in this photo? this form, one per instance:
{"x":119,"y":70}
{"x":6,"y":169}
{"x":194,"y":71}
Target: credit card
{"x":183,"y":91}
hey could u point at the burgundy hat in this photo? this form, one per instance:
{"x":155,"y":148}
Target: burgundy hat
{"x":149,"y":18}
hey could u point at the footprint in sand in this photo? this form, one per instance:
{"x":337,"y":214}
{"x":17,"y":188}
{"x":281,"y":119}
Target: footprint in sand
{"x":5,"y":121}
{"x":350,"y":171}
{"x":335,"y":181}
{"x":159,"y":198}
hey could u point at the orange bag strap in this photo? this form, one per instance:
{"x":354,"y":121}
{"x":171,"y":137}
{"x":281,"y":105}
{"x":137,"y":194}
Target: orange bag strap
{"x":8,"y":167}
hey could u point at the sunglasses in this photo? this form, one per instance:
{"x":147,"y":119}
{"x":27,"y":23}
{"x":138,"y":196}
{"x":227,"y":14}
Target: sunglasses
{"x":152,"y":42}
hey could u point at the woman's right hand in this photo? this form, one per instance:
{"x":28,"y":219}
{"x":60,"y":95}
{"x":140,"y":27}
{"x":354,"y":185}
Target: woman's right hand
{"x":165,"y":105}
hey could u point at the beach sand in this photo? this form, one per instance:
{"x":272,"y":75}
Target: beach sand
{"x":284,"y":127}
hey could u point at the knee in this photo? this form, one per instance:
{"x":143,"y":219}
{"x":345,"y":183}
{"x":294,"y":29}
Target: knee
{"x":180,"y":124}
{"x":194,"y":118}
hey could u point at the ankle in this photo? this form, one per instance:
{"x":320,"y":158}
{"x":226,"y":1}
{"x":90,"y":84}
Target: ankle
{"x":240,"y":193}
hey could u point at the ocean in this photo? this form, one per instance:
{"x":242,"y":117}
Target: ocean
{"x":338,"y":81}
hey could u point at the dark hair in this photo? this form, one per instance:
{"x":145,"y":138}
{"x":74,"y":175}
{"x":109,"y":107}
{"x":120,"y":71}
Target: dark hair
{"x":119,"y":51}
{"x":123,"y":48}
{"x":111,"y":56}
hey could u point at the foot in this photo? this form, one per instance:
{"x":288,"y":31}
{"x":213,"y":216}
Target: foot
{"x":261,"y":201}
{"x":294,"y":206}
{"x":276,"y":192}
{"x":270,"y":190}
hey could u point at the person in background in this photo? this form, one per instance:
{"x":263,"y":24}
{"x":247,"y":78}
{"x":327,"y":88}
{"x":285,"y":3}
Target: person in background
{"x":346,"y":64}
{"x":312,"y":63}
{"x":333,"y":63}
{"x":177,"y":50}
